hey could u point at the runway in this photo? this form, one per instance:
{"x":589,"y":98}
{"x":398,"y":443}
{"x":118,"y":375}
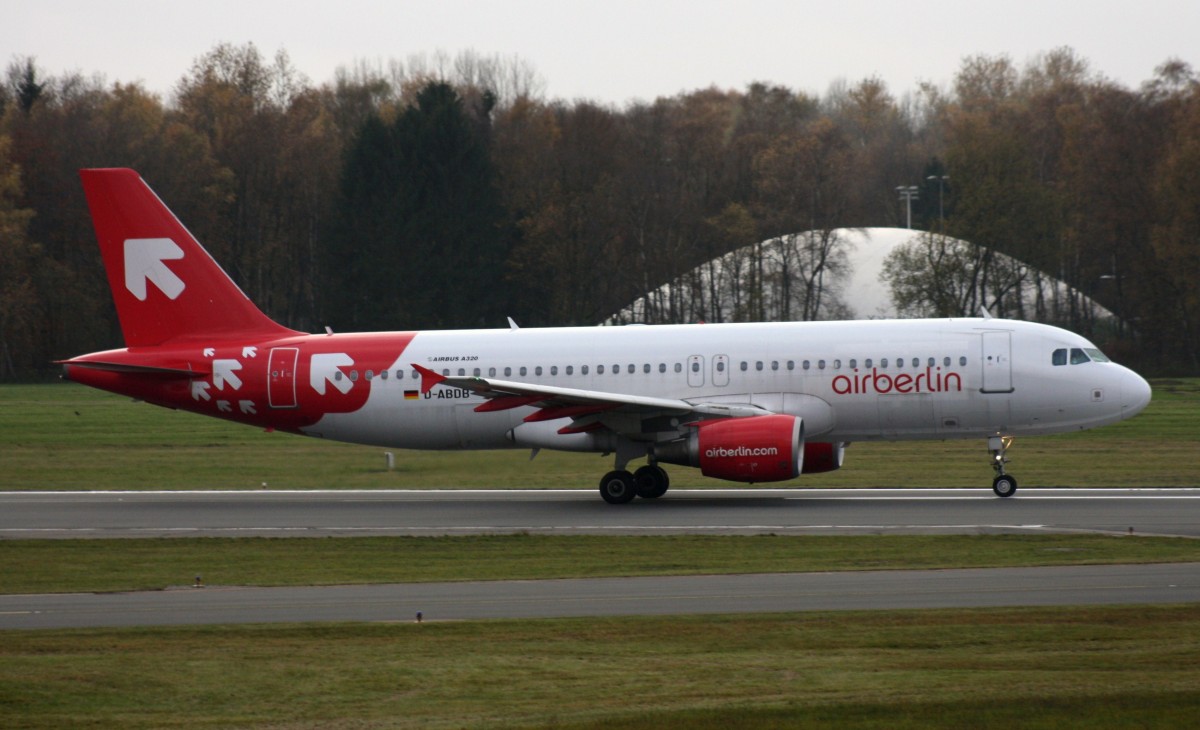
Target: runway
{"x":787,"y":592}
{"x":62,"y":515}
{"x":45,"y":515}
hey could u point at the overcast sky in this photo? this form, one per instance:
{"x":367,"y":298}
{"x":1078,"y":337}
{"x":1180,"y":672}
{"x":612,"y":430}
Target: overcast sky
{"x":612,"y":51}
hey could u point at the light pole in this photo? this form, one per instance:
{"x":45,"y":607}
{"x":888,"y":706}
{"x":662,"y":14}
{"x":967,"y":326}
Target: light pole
{"x":908,"y":193}
{"x":941,"y":180}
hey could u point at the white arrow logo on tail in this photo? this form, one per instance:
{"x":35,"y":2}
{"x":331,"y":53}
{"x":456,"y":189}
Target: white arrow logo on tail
{"x":247,"y":406}
{"x":324,"y":369}
{"x":144,"y":259}
{"x":249,"y":351}
{"x":223,"y":406}
{"x":223,"y":372}
{"x":200,"y":390}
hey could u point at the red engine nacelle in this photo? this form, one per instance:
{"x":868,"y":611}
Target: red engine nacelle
{"x":754,"y":449}
{"x":823,"y":457}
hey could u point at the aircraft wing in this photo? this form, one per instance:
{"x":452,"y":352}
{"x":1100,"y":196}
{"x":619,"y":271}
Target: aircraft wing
{"x":554,"y":402}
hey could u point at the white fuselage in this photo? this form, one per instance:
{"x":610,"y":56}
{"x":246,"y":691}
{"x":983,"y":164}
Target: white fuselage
{"x":849,"y":381}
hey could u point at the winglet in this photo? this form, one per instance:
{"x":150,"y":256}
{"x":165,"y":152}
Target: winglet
{"x":428,"y":378}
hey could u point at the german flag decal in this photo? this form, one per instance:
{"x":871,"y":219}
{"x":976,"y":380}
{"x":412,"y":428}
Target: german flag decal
{"x":412,"y":394}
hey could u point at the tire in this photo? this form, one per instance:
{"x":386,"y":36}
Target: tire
{"x":1004,"y":486}
{"x":618,"y":487}
{"x":651,"y":482}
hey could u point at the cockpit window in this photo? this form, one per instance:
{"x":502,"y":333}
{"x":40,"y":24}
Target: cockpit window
{"x":1060,"y":356}
{"x":1096,"y":355}
{"x":1078,"y":356}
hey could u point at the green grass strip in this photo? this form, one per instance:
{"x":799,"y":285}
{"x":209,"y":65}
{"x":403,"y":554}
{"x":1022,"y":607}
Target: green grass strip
{"x":1111,"y":667}
{"x":38,"y":566}
{"x":65,"y":436}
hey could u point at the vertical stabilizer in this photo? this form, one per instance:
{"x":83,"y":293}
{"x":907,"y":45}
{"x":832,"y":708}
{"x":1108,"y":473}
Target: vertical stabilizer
{"x":164,"y":284}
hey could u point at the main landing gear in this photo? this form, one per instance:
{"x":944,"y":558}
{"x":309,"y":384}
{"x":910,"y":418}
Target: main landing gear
{"x":649,"y":482}
{"x":1003,"y":485}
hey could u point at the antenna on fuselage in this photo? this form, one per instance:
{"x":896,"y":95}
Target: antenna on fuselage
{"x":983,"y":312}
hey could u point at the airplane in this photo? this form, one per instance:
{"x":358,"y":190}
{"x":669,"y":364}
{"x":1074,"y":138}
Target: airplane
{"x":751,"y":403}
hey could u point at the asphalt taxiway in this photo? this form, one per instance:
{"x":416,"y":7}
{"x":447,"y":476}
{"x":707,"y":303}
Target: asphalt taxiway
{"x":786,"y":592}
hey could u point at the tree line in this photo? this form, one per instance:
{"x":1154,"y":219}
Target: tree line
{"x":450,"y":192}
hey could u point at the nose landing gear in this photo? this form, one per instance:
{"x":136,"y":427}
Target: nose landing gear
{"x":1003,"y":485}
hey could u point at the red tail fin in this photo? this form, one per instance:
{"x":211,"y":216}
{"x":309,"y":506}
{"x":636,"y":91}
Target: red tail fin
{"x":164,"y":284}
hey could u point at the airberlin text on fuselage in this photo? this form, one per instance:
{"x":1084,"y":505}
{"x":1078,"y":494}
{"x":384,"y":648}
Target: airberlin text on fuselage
{"x":930,"y":381}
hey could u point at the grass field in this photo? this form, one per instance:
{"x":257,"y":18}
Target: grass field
{"x":46,"y":566}
{"x":1110,"y":667}
{"x":1113,"y":667}
{"x":64,"y":436}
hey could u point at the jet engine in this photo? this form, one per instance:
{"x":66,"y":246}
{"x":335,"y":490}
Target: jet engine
{"x":824,"y":457}
{"x":751,"y":449}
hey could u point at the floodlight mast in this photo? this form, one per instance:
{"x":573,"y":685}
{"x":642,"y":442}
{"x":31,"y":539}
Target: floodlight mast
{"x":908,"y":193}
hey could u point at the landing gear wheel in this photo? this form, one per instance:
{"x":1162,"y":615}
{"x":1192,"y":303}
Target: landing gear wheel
{"x":618,"y":487}
{"x":651,"y":481}
{"x":1004,"y":486}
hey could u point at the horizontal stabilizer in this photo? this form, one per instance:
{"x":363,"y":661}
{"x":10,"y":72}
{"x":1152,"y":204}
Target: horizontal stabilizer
{"x":119,"y":367}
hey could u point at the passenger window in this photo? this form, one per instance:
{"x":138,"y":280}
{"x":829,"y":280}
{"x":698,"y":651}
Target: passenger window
{"x":537,"y":370}
{"x":383,"y":374}
{"x":854,"y":363}
{"x":583,"y":369}
{"x":774,"y":364}
{"x":337,"y":375}
{"x":477,"y":372}
{"x":791,"y":364}
{"x":720,"y":366}
{"x":523,"y":371}
{"x":931,"y":362}
{"x":399,"y":375}
{"x":962,"y":360}
{"x":554,"y":370}
{"x":1078,"y":356}
{"x":632,"y":368}
{"x":646,"y":368}
{"x":570,"y":369}
{"x":446,"y":372}
{"x":461,"y":372}
{"x":1059,"y":357}
{"x":616,"y":369}
{"x":820,"y":364}
{"x":946,"y":361}
{"x":662,"y":367}
{"x":758,"y":365}
{"x":745,"y":365}
{"x":599,"y":369}
{"x":805,"y":364}
{"x":916,"y":362}
{"x":679,"y":367}
{"x":837,"y":364}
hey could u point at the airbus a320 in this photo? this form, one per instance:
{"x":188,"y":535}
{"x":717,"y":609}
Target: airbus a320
{"x":753,"y":403}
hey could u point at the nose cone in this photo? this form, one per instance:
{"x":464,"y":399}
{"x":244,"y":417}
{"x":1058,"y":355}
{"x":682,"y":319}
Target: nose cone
{"x":1135,"y":394}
